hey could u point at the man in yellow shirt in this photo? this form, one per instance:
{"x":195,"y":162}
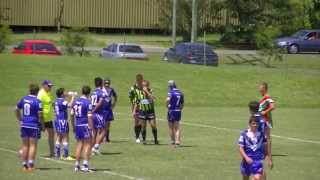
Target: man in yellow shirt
{"x":46,"y":99}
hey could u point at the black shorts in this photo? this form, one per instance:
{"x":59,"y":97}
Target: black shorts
{"x":147,"y":115}
{"x":48,"y":125}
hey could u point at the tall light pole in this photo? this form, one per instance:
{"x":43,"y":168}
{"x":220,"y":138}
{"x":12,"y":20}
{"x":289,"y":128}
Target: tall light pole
{"x":174,"y":22}
{"x":194,"y":21}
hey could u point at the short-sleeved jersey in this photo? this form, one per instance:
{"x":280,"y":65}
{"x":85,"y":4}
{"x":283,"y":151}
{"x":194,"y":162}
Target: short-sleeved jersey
{"x":143,"y":101}
{"x":253,"y":144}
{"x":176,"y":99}
{"x":31,"y":107}
{"x":264,"y":104}
{"x":133,"y":94}
{"x":98,"y":95}
{"x":109,"y":93}
{"x":81,"y":108}
{"x":261,"y":122}
{"x":46,"y":99}
{"x":61,"y":109}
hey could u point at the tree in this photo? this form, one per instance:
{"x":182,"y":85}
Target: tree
{"x":207,"y":9}
{"x":75,"y":40}
{"x":5,"y":33}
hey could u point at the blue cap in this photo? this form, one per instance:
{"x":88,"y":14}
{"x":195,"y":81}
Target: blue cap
{"x":47,"y":82}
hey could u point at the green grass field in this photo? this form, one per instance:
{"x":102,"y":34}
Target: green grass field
{"x":216,"y":111}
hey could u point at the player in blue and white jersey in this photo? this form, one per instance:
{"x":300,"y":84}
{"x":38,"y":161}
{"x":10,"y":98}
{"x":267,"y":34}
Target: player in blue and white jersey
{"x":252,"y":147}
{"x":81,"y":118}
{"x":98,"y":101}
{"x":175,"y":103}
{"x":61,"y":124}
{"x":111,"y":98}
{"x":31,"y":123}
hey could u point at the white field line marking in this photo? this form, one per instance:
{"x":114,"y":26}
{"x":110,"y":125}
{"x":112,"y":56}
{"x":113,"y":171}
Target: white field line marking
{"x":236,"y":130}
{"x":71,"y":164}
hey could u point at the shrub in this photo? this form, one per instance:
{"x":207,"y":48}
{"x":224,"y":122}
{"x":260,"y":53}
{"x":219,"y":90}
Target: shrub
{"x":5,"y":33}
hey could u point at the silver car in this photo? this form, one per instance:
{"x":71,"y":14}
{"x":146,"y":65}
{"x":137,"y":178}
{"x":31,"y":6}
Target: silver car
{"x":124,"y":51}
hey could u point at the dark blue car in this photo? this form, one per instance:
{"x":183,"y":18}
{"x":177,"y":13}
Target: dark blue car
{"x":192,"y":53}
{"x":301,"y":41}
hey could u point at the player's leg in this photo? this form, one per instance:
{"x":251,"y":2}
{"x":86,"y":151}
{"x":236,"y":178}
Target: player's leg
{"x":32,"y":153}
{"x":257,"y":177}
{"x":57,"y":151}
{"x":171,"y":132}
{"x":245,"y":177}
{"x":25,"y":152}
{"x":86,"y":154}
{"x":137,"y":128}
{"x":153,"y":125}
{"x":143,"y":130}
{"x":108,"y":125}
{"x":101,"y":132}
{"x":78,"y":154}
{"x":50,"y":131}
{"x":177,"y":132}
{"x":65,"y":143}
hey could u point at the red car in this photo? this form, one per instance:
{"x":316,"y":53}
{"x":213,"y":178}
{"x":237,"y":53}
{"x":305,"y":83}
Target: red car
{"x":41,"y":47}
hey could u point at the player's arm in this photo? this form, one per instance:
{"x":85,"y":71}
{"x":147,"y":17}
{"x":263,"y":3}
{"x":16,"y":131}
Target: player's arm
{"x":17,"y":110}
{"x":149,"y":94}
{"x":267,"y":149}
{"x":71,"y":100}
{"x":182,"y":101}
{"x":40,"y":114}
{"x":244,"y":155}
{"x":90,"y":121}
{"x":114,"y":99}
{"x":167,"y":101}
{"x":98,"y":105}
{"x":18,"y":114}
{"x":72,"y":119}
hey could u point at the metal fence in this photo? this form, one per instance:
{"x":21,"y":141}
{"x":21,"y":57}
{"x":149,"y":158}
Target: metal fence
{"x":128,"y":14}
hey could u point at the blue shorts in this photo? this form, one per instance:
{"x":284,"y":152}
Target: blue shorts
{"x":146,"y":115}
{"x":108,"y":115}
{"x":174,"y":116}
{"x":61,"y":126}
{"x":251,"y":169}
{"x":30,"y":133}
{"x":83,"y":132}
{"x":99,"y":121}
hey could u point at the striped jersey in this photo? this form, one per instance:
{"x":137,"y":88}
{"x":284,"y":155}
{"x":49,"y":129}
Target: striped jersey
{"x":142,"y":100}
{"x":264,"y":104}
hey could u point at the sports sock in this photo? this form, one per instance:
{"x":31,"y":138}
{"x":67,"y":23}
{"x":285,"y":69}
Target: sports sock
{"x":85,"y":163}
{"x":155,"y":133}
{"x":107,"y":136}
{"x":65,"y":149}
{"x":24,"y":164}
{"x":144,"y":134}
{"x":96,"y":146}
{"x":31,"y":163}
{"x":77,"y":163}
{"x":57,"y":150}
{"x":137,"y":130}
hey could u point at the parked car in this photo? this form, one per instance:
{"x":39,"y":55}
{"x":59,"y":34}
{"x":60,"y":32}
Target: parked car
{"x":192,"y":53}
{"x":124,"y":50}
{"x":41,"y":47}
{"x":301,"y":41}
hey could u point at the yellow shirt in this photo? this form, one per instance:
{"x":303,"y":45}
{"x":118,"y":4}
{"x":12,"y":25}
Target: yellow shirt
{"x":46,"y":99}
